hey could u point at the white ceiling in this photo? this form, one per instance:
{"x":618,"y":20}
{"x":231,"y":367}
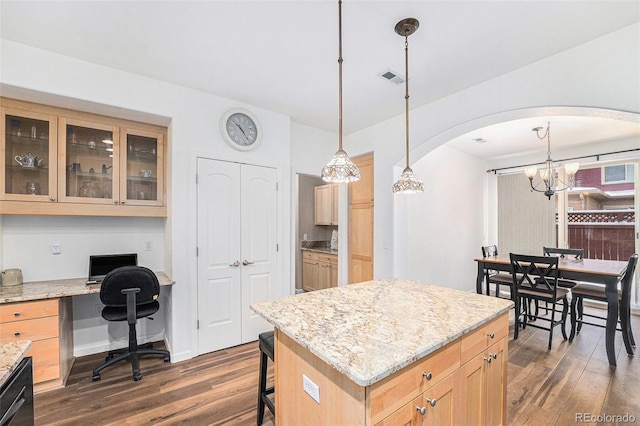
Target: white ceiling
{"x":282,"y":55}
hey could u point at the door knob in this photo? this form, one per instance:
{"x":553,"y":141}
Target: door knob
{"x":247,"y":262}
{"x":235,"y":264}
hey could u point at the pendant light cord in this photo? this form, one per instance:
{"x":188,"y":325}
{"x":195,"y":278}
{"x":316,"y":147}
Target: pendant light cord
{"x":406,"y":96}
{"x":339,"y":75}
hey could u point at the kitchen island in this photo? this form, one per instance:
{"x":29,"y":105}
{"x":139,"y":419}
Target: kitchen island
{"x":389,"y":352}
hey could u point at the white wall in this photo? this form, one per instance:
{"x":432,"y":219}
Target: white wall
{"x":193,"y":119}
{"x":602,"y":74}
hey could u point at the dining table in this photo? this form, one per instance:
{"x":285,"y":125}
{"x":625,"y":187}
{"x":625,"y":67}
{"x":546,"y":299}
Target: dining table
{"x":599,"y":271}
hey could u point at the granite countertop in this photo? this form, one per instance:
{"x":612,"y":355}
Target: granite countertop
{"x":324,"y":250}
{"x":10,"y":356}
{"x":368,"y":331}
{"x":37,"y":290}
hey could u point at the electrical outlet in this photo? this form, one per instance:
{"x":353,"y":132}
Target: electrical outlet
{"x":148,"y":246}
{"x":55,"y":248}
{"x":311,"y":388}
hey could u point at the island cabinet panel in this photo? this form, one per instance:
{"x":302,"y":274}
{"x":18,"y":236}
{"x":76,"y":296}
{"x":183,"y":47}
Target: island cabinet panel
{"x":341,"y":400}
{"x":389,"y":394}
{"x":463,"y":382}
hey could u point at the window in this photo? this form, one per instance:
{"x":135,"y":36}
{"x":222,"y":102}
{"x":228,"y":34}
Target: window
{"x":617,"y":174}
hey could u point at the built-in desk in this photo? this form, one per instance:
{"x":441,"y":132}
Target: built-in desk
{"x":42,"y":312}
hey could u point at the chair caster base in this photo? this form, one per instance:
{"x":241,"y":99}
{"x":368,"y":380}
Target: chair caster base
{"x":137,"y":377}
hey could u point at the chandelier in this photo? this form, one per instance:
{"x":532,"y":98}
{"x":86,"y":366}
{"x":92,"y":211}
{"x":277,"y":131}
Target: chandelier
{"x":408,"y":183}
{"x":340,"y":169}
{"x":548,"y":175}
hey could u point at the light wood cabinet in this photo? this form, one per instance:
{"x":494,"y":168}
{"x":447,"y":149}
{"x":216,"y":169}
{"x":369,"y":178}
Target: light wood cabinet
{"x":310,"y":271}
{"x":361,"y":222}
{"x":85,"y":164}
{"x":455,"y":384}
{"x":319,"y":270}
{"x":484,"y":375}
{"x":326,"y":204}
{"x":47,"y":324}
{"x":327,"y":270}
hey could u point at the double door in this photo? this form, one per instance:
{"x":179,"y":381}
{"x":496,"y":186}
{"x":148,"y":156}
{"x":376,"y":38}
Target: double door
{"x":237,"y":250}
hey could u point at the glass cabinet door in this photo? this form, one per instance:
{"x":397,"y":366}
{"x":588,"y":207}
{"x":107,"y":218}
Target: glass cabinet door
{"x":88,"y":172}
{"x":28,"y":141}
{"x":141,"y":167}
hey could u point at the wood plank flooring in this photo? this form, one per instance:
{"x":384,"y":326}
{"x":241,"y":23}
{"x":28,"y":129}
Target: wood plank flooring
{"x":220,"y":388}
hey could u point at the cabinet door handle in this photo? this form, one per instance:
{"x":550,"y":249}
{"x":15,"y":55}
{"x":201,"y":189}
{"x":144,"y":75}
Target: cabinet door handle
{"x":52,"y":198}
{"x":17,"y":333}
{"x":235,"y":264}
{"x":122,"y":202}
{"x":491,"y":335}
{"x":488,"y":359}
{"x":494,"y":356}
{"x":115,"y":201}
{"x":422,"y":410}
{"x":426,"y":375}
{"x":432,"y":402}
{"x":247,"y":262}
{"x":16,"y":314}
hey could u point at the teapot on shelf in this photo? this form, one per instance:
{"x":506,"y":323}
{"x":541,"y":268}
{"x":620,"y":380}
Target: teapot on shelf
{"x":29,"y":161}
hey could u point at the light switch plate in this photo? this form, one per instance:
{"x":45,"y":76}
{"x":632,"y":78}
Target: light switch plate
{"x":311,"y":388}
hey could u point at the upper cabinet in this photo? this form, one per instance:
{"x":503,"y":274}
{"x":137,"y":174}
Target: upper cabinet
{"x":326,"y":204}
{"x":62,"y":162}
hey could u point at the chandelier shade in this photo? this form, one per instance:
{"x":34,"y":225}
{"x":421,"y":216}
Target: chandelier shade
{"x":340,"y":169}
{"x":550,"y":183}
{"x":408,"y":183}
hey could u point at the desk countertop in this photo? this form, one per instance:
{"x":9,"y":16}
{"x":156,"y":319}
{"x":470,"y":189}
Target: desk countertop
{"x":370,"y":330}
{"x":38,"y":290}
{"x":10,"y":356}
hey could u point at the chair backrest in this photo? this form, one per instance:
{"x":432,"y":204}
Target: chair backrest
{"x":627,"y":278}
{"x":563,"y":252}
{"x":129,"y":277}
{"x":539,"y":273}
{"x":489,"y":251}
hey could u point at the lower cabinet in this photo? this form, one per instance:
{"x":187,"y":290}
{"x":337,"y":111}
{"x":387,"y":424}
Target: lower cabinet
{"x":310,"y":271}
{"x":48,"y":325}
{"x":463,"y":383}
{"x":319,"y":270}
{"x":16,"y":396}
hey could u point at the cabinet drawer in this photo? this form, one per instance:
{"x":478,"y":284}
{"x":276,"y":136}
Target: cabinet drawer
{"x":483,"y":337}
{"x":311,"y":255}
{"x":28,"y":310}
{"x":46,"y":359}
{"x":328,"y":258}
{"x":33,"y":329}
{"x":391,"y":393}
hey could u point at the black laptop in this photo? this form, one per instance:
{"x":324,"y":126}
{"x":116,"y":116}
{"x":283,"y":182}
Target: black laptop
{"x":101,"y":264}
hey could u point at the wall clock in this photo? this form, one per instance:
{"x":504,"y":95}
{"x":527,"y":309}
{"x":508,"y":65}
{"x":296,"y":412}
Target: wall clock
{"x":241,"y":129}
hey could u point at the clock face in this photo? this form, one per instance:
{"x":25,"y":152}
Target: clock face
{"x":241,"y":129}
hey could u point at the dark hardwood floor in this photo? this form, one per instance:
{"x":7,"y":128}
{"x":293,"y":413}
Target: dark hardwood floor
{"x":544,"y":387}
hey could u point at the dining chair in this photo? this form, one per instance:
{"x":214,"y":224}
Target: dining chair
{"x":596,"y":292}
{"x":495,"y":277}
{"x":535,"y":278}
{"x":564,"y":253}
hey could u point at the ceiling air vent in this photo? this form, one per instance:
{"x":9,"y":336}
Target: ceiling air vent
{"x":392,"y":76}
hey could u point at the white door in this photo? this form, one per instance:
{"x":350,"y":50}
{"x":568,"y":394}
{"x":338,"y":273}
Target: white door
{"x":236,"y":225}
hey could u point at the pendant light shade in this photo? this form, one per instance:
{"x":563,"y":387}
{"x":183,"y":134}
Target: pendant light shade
{"x":408,"y":183}
{"x":340,"y":169}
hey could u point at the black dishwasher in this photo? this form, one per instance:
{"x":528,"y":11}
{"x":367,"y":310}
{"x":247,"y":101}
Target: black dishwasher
{"x":16,"y":396}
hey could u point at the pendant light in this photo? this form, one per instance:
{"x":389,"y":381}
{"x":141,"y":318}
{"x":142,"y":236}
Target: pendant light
{"x":408,"y":182}
{"x":340,"y":169}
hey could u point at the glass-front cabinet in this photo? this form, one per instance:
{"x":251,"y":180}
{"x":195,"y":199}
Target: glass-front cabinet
{"x":87,"y":173}
{"x":141,"y":167}
{"x":29,"y":152}
{"x":66,"y":162}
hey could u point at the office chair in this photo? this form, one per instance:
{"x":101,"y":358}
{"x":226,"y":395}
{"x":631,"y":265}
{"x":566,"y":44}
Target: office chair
{"x":130,"y":293}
